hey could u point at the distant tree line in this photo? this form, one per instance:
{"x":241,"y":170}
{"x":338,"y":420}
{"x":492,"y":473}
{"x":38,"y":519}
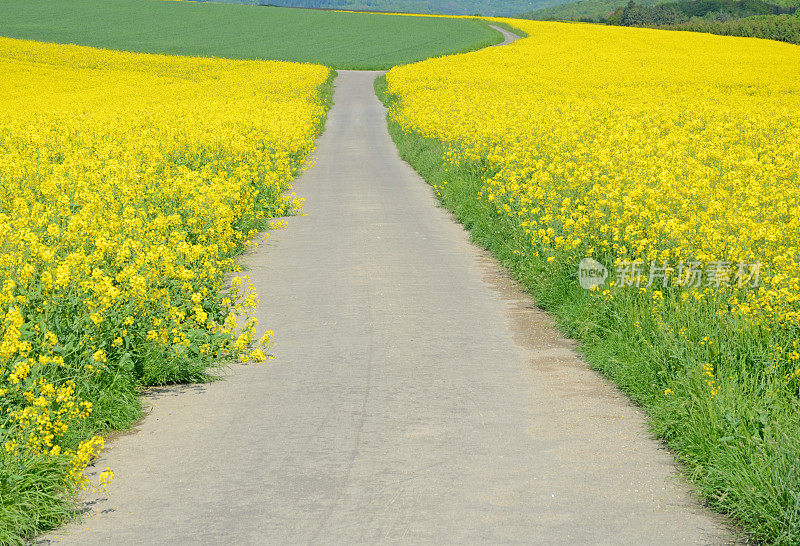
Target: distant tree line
{"x":771,"y":19}
{"x":637,"y":15}
{"x":785,"y":28}
{"x":587,"y":11}
{"x":751,"y":18}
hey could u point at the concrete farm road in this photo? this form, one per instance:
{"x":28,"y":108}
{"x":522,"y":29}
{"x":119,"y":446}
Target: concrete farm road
{"x":417,"y":396}
{"x":508,"y":37}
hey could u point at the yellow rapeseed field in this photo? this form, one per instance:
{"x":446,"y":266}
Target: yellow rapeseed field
{"x":672,"y":159}
{"x":127,"y":183}
{"x":624,"y":146}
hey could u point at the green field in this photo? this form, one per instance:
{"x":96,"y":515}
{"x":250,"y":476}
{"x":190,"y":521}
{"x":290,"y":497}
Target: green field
{"x":340,"y":40}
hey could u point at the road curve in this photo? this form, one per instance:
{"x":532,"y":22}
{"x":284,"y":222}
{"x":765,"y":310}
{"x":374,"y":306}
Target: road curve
{"x":417,"y":396}
{"x":508,"y":37}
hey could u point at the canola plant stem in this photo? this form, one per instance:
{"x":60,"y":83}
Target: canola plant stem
{"x":416,"y":395}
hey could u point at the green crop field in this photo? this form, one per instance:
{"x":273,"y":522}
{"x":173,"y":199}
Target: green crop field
{"x":340,"y":40}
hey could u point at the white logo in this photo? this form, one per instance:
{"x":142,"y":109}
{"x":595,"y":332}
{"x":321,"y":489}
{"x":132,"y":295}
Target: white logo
{"x":591,"y":273}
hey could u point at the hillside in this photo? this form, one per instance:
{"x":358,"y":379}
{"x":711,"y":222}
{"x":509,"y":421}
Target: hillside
{"x":748,"y":18}
{"x":583,"y":10}
{"x":654,"y":13}
{"x":681,"y":12}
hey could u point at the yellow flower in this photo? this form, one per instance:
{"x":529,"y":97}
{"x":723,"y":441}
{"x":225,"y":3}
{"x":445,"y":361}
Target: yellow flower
{"x":100,"y":356}
{"x":625,"y":151}
{"x":258,"y":355}
{"x":105,"y":478}
{"x":126,"y":207}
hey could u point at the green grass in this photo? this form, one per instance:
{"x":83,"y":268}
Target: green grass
{"x":339,"y":40}
{"x":34,"y":495}
{"x":740,"y":448}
